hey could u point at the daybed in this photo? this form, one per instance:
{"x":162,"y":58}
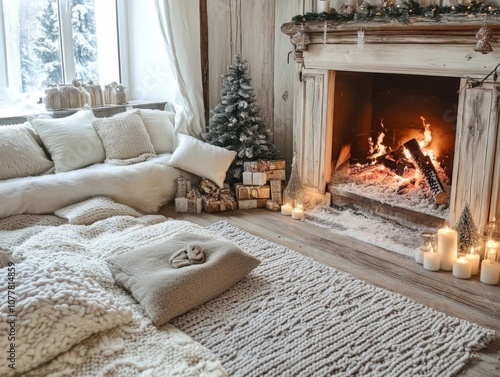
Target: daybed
{"x":74,"y":197}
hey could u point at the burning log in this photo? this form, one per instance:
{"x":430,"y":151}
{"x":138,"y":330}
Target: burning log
{"x":424,"y":164}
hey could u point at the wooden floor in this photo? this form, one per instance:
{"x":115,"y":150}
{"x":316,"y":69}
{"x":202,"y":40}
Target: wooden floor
{"x":467,"y":299}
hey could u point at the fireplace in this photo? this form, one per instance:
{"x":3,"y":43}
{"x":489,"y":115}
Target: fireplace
{"x":404,"y":81}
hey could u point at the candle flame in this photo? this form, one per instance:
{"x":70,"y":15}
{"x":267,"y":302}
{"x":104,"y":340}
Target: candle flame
{"x":472,"y":250}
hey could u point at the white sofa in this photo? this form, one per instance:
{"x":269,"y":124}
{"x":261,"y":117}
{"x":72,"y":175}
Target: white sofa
{"x":46,"y":164}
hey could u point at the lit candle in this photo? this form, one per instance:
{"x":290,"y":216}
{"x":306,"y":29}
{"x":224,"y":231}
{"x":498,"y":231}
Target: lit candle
{"x":286,"y":209}
{"x":431,"y":260}
{"x":298,"y":212}
{"x":491,"y":250}
{"x":474,"y":261}
{"x":419,"y":255}
{"x":462,"y":268}
{"x":447,"y":247}
{"x":490,"y":272}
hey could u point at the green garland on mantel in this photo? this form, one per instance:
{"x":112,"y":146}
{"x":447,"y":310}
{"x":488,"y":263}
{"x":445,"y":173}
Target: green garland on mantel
{"x":410,"y":8}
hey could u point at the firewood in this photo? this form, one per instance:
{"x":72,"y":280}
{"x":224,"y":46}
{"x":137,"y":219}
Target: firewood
{"x":424,"y":164}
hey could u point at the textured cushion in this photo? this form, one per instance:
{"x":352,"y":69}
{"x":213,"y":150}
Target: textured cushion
{"x":202,"y":159}
{"x":125,"y":138}
{"x":71,"y":141}
{"x":20,"y":154}
{"x":160,"y":127}
{"x":94,"y":209}
{"x":56,"y":308}
{"x":166,"y":292}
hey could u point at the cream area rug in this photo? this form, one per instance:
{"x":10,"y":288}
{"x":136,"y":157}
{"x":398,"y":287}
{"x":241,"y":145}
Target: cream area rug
{"x":293,"y":316}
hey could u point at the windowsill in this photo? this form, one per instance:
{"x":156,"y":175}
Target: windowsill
{"x":99,"y":111}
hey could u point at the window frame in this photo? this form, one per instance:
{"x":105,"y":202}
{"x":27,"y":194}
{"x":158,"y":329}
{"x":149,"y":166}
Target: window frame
{"x":66,"y":40}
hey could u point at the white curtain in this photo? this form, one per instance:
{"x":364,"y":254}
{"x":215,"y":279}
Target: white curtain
{"x":180,"y":27}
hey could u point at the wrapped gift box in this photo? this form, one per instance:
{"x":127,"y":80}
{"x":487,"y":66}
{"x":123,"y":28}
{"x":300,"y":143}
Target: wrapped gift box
{"x":215,"y":199}
{"x":252,"y":203}
{"x":183,"y":187}
{"x":254,"y":178}
{"x":276,"y":191}
{"x":252,"y":192}
{"x":272,"y":205}
{"x":192,"y":203}
{"x":263,"y":165}
{"x":276,"y":174}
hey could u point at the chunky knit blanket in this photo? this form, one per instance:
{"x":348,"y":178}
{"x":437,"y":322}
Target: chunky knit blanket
{"x":293,"y":316}
{"x":130,"y":347}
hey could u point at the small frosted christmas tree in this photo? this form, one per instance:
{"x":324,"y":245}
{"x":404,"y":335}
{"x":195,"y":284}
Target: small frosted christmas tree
{"x":235,"y":123}
{"x":468,"y":235}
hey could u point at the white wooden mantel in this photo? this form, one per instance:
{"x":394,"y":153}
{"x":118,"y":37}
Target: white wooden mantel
{"x":421,"y":47}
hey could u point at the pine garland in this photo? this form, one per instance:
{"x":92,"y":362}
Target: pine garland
{"x":402,"y":13}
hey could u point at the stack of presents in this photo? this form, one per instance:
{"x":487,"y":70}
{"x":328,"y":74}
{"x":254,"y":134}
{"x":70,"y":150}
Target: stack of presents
{"x":262,"y":187}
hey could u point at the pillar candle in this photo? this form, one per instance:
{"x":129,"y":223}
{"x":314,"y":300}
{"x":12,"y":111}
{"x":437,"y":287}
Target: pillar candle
{"x":462,"y":268}
{"x":490,"y":272}
{"x":419,"y":255}
{"x":447,"y":247}
{"x":323,"y":6}
{"x":286,"y":209}
{"x":431,"y":260}
{"x":474,"y":261}
{"x":298,"y":213}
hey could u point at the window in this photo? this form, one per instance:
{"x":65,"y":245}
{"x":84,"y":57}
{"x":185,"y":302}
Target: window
{"x":45,"y":42}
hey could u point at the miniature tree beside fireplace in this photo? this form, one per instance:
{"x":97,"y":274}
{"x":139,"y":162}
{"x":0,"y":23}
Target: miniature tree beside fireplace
{"x":235,"y":123}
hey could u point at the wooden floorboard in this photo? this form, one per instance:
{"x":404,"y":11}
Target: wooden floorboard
{"x":467,"y":299}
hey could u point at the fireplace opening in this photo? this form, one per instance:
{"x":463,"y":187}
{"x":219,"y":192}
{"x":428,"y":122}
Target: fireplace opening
{"x":394,"y":141}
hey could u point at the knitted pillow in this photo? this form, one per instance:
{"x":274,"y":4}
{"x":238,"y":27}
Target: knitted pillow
{"x":56,"y":307}
{"x":71,"y":141}
{"x":94,"y":209}
{"x":125,"y":138}
{"x":202,"y":159}
{"x":20,"y":154}
{"x":160,"y":127}
{"x":166,"y":291}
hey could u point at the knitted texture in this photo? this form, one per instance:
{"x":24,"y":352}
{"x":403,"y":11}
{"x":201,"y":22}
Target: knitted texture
{"x":94,"y":209}
{"x":137,"y":348}
{"x":293,"y":316}
{"x":57,"y":308}
{"x":20,"y":155}
{"x":125,"y":138}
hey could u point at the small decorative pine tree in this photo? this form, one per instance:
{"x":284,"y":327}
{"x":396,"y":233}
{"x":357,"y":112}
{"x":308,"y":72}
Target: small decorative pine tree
{"x":468,"y":235}
{"x":235,"y":123}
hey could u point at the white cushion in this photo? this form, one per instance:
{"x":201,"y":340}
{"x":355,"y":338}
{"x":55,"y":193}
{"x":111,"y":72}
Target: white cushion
{"x":202,"y":159}
{"x":71,"y":141}
{"x":160,"y":127}
{"x":20,"y":154}
{"x":56,"y":307}
{"x":125,"y":138}
{"x":94,"y":209}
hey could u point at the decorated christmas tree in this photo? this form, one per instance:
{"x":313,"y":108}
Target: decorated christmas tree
{"x":468,"y":235}
{"x":235,"y":123}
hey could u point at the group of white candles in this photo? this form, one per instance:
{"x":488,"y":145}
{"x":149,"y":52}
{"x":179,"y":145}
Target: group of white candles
{"x":446,"y":258}
{"x":297,"y":213}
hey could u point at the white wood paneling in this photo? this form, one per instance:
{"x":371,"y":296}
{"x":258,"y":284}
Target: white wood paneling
{"x":475,"y":147}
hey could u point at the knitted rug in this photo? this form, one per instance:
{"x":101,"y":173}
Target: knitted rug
{"x":293,"y":316}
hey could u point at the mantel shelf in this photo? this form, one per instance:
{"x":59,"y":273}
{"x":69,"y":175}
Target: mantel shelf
{"x":459,"y":28}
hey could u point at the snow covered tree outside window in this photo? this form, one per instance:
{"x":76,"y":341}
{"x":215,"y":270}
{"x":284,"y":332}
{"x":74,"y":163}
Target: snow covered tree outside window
{"x":54,"y":42}
{"x":235,"y":123}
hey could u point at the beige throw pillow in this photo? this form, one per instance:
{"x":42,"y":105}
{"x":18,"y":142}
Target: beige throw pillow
{"x":20,"y":154}
{"x":165,"y":291}
{"x":160,"y":127}
{"x":71,"y":141}
{"x":125,"y":138}
{"x":94,"y":209}
{"x":202,"y":159}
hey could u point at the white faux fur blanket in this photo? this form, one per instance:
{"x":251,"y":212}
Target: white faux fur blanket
{"x":145,"y":186}
{"x":137,"y":348}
